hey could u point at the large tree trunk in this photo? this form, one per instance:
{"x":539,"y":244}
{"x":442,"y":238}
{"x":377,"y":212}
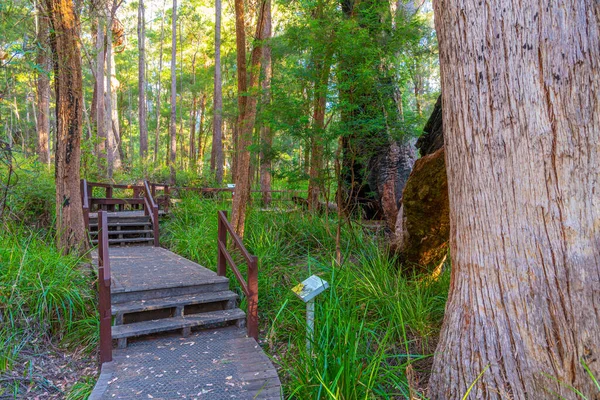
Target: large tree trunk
{"x":216,"y":159}
{"x":64,"y":41}
{"x":143,"y":113}
{"x":521,"y":106}
{"x":266,"y":136}
{"x":248,"y":113}
{"x":173,"y":121}
{"x":43,"y":87}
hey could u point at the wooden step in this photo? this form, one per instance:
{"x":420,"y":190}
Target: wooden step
{"x":170,"y":324}
{"x":158,"y":291}
{"x":130,"y":232}
{"x":127,"y":240}
{"x":115,"y":224}
{"x":170,"y":302}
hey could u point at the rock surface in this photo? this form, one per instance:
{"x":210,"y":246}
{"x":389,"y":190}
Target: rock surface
{"x":423,"y":224}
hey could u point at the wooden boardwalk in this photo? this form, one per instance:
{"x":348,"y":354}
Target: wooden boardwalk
{"x":180,"y":334}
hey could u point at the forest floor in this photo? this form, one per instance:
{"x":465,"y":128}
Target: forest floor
{"x":42,"y":370}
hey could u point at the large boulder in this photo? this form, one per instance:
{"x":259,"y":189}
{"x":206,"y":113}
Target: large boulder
{"x":433,"y":133}
{"x":389,"y":171}
{"x":423,"y":223}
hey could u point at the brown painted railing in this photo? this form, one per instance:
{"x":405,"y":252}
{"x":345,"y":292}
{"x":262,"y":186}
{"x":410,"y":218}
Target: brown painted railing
{"x":104,"y":307}
{"x":151,"y":208}
{"x":85,"y":202}
{"x":250,"y":286}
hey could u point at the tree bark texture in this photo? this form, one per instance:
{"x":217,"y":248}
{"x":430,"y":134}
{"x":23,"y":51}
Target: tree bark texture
{"x":247,"y":118}
{"x":143,"y":112}
{"x":216,"y":159}
{"x":266,"y":136}
{"x":173,"y":121}
{"x":43,"y":87}
{"x":64,"y":41}
{"x":521,"y":114}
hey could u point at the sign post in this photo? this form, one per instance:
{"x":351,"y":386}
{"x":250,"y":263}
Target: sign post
{"x":307,"y":291}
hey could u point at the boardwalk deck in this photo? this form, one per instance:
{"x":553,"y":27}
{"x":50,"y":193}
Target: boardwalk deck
{"x":220,"y":362}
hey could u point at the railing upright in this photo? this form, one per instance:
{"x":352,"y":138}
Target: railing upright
{"x":85,"y":203}
{"x":104,"y":306}
{"x":152,"y":210}
{"x":249,"y":286}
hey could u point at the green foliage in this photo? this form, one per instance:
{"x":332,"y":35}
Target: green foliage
{"x":371,"y":323}
{"x":31,"y":195}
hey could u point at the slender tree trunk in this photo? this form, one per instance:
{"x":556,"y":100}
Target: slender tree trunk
{"x":64,"y":40}
{"x":158,"y":90}
{"x":115,"y":121}
{"x":242,"y":75}
{"x":143,"y":113}
{"x":216,"y":159}
{"x":315,"y":183}
{"x":248,"y":111}
{"x":201,"y":144}
{"x":173,"y":122}
{"x":111,"y":114}
{"x":266,"y":136}
{"x":101,"y":127}
{"x":43,"y":87}
{"x":521,"y":100}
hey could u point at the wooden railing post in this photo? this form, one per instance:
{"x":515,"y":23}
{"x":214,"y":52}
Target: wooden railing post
{"x":252,"y":317}
{"x":222,"y":238}
{"x":104,"y":306}
{"x":85,"y":204}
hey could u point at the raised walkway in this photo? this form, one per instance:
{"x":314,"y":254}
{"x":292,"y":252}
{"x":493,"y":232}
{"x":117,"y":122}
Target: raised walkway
{"x":180,"y":334}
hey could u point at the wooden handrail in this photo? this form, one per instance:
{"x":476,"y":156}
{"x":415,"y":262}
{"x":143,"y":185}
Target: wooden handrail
{"x":249,"y":286}
{"x":85,"y":203}
{"x":151,"y":208}
{"x":104,"y":306}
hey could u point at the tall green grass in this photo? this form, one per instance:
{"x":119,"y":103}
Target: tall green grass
{"x":42,"y":293}
{"x":370,"y":325}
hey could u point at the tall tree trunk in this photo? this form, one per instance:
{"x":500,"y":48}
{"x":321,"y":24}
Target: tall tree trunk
{"x":111,"y":114}
{"x":201,"y":144}
{"x":216,"y":159}
{"x":521,"y":99}
{"x":143,"y":113}
{"x":158,"y":89}
{"x":315,"y":183}
{"x":173,"y":121}
{"x":192,"y":153}
{"x":266,"y":136}
{"x":43,"y":87}
{"x":64,"y":40}
{"x":101,"y":127}
{"x":242,"y":75}
{"x":248,"y":111}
